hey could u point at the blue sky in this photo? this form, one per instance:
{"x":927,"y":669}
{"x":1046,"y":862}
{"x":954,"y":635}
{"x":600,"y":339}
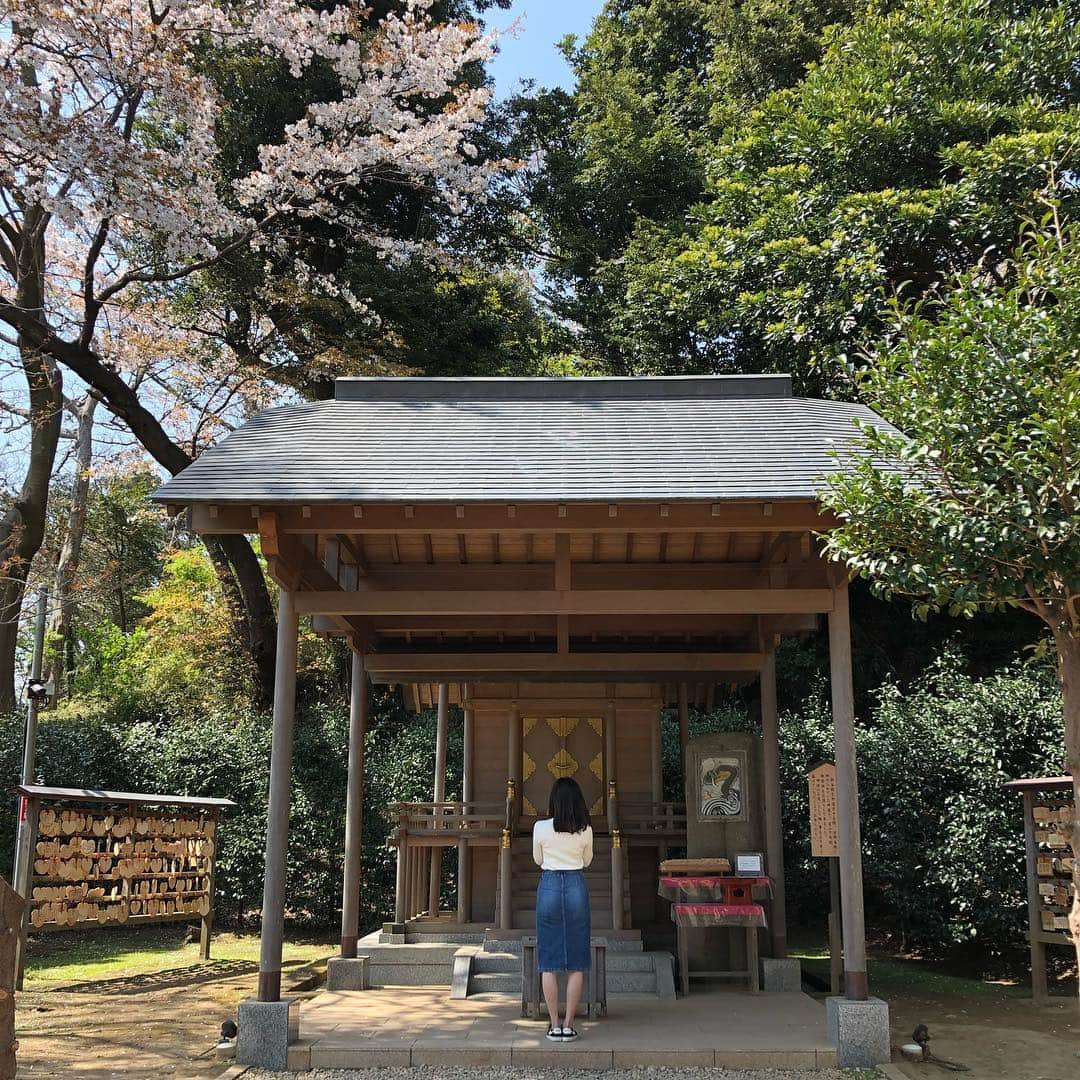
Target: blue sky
{"x":532,"y":54}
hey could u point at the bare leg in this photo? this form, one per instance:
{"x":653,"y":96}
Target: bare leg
{"x":574,"y":982}
{"x":550,"y":982}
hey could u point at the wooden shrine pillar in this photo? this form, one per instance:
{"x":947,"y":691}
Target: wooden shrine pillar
{"x":774,"y":829}
{"x":856,"y":985}
{"x":618,"y":855}
{"x":354,"y":809}
{"x":656,"y":772}
{"x":277,"y":820}
{"x":684,"y":729}
{"x":401,"y":876}
{"x":513,"y":802}
{"x":441,"y":725}
{"x":513,"y":752}
{"x":464,"y":873}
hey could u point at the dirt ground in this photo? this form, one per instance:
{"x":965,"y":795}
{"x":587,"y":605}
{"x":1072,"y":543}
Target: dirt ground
{"x":998,"y":1039}
{"x":166,"y":1025}
{"x":137,"y":1028}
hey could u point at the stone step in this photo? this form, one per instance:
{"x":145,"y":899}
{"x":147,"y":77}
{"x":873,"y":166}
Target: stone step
{"x":496,"y":963}
{"x":621,"y":945}
{"x":631,"y":982}
{"x":628,"y":973}
{"x":525,"y":918}
{"x":495,"y":983}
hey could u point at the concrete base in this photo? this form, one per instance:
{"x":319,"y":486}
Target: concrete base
{"x":665,"y":975}
{"x":347,"y":973}
{"x":781,"y":976}
{"x":860,"y":1030}
{"x":266,"y":1029}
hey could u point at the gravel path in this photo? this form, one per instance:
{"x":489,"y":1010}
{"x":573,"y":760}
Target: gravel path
{"x":511,"y":1072}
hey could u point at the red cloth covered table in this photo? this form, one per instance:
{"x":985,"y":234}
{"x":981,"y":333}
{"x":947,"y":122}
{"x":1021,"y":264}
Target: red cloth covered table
{"x":723,"y":889}
{"x":714,"y":900}
{"x":718,"y":915}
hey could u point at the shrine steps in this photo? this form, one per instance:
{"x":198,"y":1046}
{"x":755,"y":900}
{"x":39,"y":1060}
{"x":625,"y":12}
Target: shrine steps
{"x":495,"y":969}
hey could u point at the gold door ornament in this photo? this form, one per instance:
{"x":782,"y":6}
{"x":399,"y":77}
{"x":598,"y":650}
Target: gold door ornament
{"x":559,"y":746}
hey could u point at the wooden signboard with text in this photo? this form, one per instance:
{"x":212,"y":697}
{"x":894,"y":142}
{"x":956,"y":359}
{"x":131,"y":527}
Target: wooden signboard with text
{"x":824,"y":840}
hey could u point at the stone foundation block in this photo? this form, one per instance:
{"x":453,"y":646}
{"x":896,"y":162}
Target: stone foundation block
{"x":781,"y":976}
{"x":347,"y":973}
{"x":462,"y":971}
{"x":860,"y":1030}
{"x":665,"y":975}
{"x":266,"y":1029}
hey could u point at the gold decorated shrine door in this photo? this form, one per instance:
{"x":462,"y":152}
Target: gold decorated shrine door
{"x":557,"y":746}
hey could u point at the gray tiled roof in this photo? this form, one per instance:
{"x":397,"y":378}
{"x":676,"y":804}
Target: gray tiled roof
{"x":491,"y":440}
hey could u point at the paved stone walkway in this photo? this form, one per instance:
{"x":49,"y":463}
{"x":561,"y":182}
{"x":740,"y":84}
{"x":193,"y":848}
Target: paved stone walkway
{"x":404,"y":1026}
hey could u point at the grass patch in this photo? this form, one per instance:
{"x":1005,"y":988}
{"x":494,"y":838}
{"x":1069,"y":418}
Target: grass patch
{"x":893,"y":976}
{"x":74,"y":956}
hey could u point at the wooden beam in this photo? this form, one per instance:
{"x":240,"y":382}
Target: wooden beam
{"x":584,"y":625}
{"x":406,"y":667}
{"x":353,"y":548}
{"x":627,"y":602}
{"x":564,"y":575}
{"x":737,"y":516}
{"x":562,"y":562}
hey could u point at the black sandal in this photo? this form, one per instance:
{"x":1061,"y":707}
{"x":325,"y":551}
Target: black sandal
{"x":554,"y":1034}
{"x":568,"y":1034}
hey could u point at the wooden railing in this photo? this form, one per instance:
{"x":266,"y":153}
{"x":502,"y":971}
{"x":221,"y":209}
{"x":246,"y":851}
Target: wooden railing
{"x":659,"y":821}
{"x":423,"y":829}
{"x":427,"y":818}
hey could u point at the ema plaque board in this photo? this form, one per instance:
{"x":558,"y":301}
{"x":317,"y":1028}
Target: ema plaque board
{"x":823,"y":831}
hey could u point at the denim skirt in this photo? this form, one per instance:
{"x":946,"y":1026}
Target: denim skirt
{"x":563,"y":925}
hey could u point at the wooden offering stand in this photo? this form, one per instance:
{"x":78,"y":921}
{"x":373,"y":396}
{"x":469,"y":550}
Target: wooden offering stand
{"x":704,"y":894}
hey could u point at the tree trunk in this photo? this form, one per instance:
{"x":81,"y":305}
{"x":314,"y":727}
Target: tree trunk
{"x":22,"y":528}
{"x":236,"y":567}
{"x":1068,"y":646}
{"x":60,"y":658}
{"x":123,"y":402}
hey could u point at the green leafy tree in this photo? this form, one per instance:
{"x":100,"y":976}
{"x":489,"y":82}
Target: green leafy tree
{"x":658,"y":82}
{"x":977,"y":504}
{"x":914,"y":148}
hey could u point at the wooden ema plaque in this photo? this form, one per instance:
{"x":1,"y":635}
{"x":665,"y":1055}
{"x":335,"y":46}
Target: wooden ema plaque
{"x":1052,"y":819}
{"x":824,"y":840}
{"x":93,"y":867}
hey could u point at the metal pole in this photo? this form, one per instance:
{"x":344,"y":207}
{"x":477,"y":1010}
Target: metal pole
{"x":856,"y":985}
{"x":354,"y":809}
{"x":277,"y":820}
{"x":774,"y":829}
{"x":23,"y":861}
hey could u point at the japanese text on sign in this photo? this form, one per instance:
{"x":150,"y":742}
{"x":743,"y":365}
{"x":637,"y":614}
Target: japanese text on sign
{"x":823,"y":832}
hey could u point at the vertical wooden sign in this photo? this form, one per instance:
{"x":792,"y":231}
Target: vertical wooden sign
{"x":824,"y":841}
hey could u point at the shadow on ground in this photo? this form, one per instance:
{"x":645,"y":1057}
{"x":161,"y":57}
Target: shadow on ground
{"x":191,"y":975}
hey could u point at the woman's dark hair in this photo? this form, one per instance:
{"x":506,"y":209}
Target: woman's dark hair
{"x":567,"y":806}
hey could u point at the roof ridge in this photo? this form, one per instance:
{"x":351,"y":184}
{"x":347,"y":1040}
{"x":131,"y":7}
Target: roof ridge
{"x":560,"y":388}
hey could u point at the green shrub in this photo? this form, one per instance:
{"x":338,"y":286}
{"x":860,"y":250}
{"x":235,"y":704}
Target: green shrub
{"x":942,"y":842}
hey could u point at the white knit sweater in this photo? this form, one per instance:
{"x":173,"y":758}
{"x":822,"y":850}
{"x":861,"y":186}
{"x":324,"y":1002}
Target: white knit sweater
{"x":561,"y":850}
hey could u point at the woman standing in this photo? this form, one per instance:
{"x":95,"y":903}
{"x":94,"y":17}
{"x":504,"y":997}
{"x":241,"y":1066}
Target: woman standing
{"x":562,"y":848}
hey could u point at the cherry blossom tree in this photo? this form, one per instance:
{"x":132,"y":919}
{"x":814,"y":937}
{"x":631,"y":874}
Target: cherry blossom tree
{"x":113,"y":190}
